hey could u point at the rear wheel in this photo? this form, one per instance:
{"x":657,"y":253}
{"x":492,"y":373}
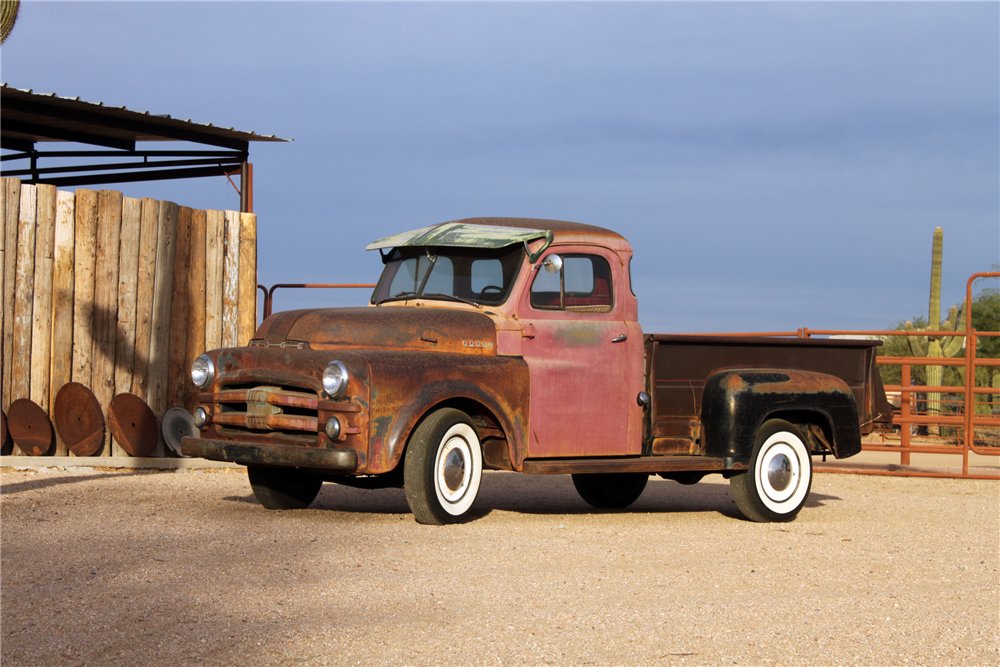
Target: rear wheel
{"x":610,"y":490}
{"x":283,"y":488}
{"x":777,"y":484}
{"x":443,"y":468}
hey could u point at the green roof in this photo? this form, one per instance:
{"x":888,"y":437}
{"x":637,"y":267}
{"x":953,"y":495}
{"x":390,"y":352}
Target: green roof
{"x":462,"y":235}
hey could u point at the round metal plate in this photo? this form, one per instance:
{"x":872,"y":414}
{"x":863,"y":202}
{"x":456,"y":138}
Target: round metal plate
{"x":30,"y":427}
{"x":178,"y":423}
{"x":6,"y":445}
{"x":133,"y":425}
{"x":79,"y":419}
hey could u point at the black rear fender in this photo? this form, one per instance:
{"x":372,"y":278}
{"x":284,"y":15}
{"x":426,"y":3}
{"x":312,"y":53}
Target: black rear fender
{"x":736,"y":403}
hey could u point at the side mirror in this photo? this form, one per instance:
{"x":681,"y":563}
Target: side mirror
{"x":553,"y":263}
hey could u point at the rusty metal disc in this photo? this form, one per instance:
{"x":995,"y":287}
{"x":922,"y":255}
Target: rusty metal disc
{"x":30,"y":427}
{"x":177,"y":424}
{"x":79,"y":419}
{"x":133,"y":425}
{"x":6,"y":444}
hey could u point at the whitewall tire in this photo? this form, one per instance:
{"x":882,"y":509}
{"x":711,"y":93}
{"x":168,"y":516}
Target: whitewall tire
{"x":780,"y":476}
{"x":443,"y":468}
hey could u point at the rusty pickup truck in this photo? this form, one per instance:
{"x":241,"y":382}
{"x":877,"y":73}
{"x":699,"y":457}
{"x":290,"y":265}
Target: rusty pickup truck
{"x":514,"y":344}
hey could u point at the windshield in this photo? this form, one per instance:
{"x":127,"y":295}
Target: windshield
{"x":480,"y":276}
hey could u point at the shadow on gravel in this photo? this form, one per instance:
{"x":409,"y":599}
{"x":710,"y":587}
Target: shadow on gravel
{"x":46,"y":482}
{"x":541,"y":496}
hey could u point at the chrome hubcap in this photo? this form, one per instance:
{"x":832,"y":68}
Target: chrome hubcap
{"x":779,"y":472}
{"x":454,"y":470}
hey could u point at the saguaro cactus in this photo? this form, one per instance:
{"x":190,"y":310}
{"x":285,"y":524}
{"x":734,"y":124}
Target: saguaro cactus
{"x":8,"y":17}
{"x":937,"y":346}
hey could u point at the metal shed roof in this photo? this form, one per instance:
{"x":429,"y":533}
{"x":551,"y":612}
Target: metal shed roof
{"x":30,"y":118}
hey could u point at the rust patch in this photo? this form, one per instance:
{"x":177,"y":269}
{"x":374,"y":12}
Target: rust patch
{"x":578,"y":334}
{"x":800,"y":382}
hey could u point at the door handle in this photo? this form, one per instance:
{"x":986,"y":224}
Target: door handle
{"x":620,"y":338}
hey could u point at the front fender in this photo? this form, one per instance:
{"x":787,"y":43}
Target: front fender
{"x":406,"y":386}
{"x":736,"y":402}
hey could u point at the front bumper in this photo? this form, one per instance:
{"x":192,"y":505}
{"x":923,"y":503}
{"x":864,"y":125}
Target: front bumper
{"x":291,"y":456}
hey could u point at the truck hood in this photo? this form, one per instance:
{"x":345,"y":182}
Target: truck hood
{"x":393,"y":327}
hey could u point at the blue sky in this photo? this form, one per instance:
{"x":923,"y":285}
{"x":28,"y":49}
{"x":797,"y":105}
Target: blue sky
{"x":775,"y":165}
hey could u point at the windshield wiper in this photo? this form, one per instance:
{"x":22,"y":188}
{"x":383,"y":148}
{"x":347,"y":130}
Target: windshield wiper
{"x":403,"y":296}
{"x":452,"y":297}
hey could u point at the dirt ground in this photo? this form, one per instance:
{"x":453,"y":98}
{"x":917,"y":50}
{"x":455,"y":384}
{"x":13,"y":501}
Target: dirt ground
{"x":185,"y":568}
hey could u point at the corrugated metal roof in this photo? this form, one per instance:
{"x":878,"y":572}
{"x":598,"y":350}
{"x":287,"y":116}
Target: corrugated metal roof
{"x":30,"y":117}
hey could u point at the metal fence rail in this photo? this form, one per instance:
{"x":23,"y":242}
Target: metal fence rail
{"x":968,"y":424}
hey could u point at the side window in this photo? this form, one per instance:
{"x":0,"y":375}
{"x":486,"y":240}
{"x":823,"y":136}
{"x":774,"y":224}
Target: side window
{"x":583,"y":285}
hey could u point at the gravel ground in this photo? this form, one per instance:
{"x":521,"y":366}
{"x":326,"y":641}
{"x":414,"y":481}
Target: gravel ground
{"x":185,"y":568}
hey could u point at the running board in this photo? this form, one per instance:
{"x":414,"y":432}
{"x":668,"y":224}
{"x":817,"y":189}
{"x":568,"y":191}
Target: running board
{"x":650,"y":464}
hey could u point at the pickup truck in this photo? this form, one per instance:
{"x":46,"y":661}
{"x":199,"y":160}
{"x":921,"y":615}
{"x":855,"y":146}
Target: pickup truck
{"x":514,"y":344}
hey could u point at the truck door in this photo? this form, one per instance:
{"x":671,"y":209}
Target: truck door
{"x":577,"y":347}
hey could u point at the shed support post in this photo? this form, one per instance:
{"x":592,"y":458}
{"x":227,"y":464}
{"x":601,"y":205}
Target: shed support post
{"x":246,"y":187}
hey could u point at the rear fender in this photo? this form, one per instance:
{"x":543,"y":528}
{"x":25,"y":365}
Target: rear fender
{"x":736,"y":402}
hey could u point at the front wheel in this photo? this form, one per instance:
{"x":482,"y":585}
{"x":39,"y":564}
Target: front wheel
{"x":443,"y":468}
{"x":610,"y":490}
{"x":777,"y":484}
{"x":283,"y":488}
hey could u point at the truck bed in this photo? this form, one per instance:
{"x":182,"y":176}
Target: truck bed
{"x":677,"y":367}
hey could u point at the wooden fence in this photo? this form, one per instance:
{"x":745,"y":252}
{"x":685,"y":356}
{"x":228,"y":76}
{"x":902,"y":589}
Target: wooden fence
{"x":118,"y":294}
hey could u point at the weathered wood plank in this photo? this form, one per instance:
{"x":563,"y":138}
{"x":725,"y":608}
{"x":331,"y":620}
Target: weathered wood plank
{"x":247,"y":315}
{"x":3,"y":301}
{"x":159,"y":346}
{"x":62,"y":301}
{"x":148,"y":239}
{"x":214,"y":248}
{"x":84,"y":260}
{"x":231,"y":281}
{"x":196,"y":302}
{"x":41,"y":311}
{"x":24,"y":289}
{"x":12,"y":203}
{"x":109,"y":227}
{"x":177,"y":366}
{"x":128,"y":283}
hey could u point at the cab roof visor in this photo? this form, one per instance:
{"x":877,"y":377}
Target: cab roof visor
{"x":456,"y":234}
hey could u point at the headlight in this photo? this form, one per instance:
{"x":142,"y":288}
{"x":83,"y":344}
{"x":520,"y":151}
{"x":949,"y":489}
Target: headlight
{"x":200,"y":417}
{"x":202,"y":371}
{"x":335,"y":379}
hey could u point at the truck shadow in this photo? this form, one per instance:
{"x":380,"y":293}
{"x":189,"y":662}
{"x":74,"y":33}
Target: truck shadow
{"x":543,"y":495}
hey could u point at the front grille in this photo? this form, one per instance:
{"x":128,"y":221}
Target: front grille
{"x":267,"y":409}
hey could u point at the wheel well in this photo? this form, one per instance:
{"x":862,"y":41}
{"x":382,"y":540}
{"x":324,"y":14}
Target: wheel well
{"x":486,"y":424}
{"x":815,"y":427}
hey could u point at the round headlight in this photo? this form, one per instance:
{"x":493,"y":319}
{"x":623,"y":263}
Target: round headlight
{"x":202,"y":371}
{"x":335,"y":379}
{"x":200,"y":417}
